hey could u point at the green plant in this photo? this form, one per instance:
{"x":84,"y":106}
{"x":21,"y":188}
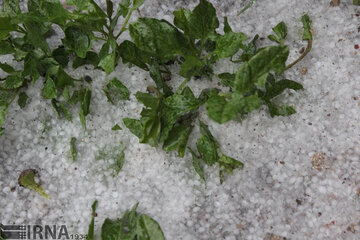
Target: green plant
{"x":168,"y":116}
{"x":132,"y":226}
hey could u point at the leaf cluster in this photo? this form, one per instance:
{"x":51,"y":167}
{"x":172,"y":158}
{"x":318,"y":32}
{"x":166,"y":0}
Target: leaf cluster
{"x":131,"y":226}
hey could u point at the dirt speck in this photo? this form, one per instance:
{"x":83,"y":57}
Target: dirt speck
{"x":319,"y":161}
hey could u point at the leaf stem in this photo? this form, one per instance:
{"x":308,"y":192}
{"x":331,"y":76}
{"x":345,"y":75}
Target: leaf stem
{"x":307,"y":50}
{"x":123,"y":28}
{"x":182,"y":85}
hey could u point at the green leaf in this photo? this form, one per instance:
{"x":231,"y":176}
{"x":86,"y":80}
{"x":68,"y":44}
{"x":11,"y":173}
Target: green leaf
{"x":108,"y":63}
{"x":207,"y":146}
{"x":182,"y":20}
{"x":249,"y":50}
{"x":124,"y":6}
{"x":111,"y":229}
{"x":178,"y":138}
{"x":31,"y":67}
{"x":156,"y":75}
{"x":159,"y":38}
{"x":229,"y":44}
{"x":6,"y":27}
{"x":220,"y":110}
{"x":35,"y":35}
{"x":227,"y":79}
{"x":130,"y":53}
{"x":281,"y":31}
{"x":278,"y":87}
{"x":137,"y":4}
{"x":91,"y":58}
{"x":13,"y":81}
{"x":247,"y":6}
{"x":22,"y":99}
{"x":11,"y":8}
{"x":243,"y":82}
{"x":193,"y":66}
{"x":85,"y":104}
{"x":151,"y":228}
{"x":116,"y":91}
{"x":266,"y":59}
{"x":134,"y":126}
{"x":3,"y":110}
{"x":6,"y":47}
{"x":73,"y":150}
{"x":116,"y":127}
{"x":54,"y":11}
{"x":279,"y":111}
{"x":89,"y":6}
{"x":227,"y":27}
{"x":61,"y":56}
{"x":6,"y":68}
{"x":61,"y":110}
{"x":228,"y":164}
{"x":203,"y":20}
{"x":150,"y":118}
{"x":305,"y":19}
{"x":91,"y":231}
{"x":197,"y":165}
{"x":77,"y":39}
{"x":49,"y":91}
{"x":27,"y":180}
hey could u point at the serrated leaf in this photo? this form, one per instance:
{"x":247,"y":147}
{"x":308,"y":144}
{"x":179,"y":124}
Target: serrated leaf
{"x":207,"y":146}
{"x":27,"y":180}
{"x":111,"y":229}
{"x":280,"y":111}
{"x":22,"y":99}
{"x":116,"y":91}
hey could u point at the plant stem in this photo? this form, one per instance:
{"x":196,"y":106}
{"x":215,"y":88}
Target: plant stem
{"x":182,"y":85}
{"x":307,"y":50}
{"x":123,"y":29}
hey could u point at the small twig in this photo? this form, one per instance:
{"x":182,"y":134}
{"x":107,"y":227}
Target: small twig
{"x":307,"y":50}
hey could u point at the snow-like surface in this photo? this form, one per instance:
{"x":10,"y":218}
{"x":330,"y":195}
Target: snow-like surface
{"x":279,"y":191}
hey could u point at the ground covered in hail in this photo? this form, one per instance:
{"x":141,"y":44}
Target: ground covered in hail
{"x":301,"y":178}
